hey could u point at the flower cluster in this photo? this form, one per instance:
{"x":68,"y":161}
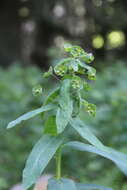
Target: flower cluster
{"x":76,"y":69}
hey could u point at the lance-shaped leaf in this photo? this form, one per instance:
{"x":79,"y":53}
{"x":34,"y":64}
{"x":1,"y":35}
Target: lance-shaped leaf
{"x":64,"y":112}
{"x":63,"y":116}
{"x":81,"y":186}
{"x":65,"y":94}
{"x":85,"y":132}
{"x":30,"y":115}
{"x":120,"y":159}
{"x":61,"y":184}
{"x":40,"y":156}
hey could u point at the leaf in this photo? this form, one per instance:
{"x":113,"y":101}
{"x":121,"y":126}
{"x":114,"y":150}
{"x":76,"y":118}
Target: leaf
{"x":50,"y":125}
{"x":63,"y":117}
{"x":30,"y":115}
{"x":64,"y":112}
{"x":81,"y":186}
{"x":62,"y":184}
{"x":52,"y":96}
{"x":85,"y":132}
{"x":40,"y":156}
{"x":120,"y":159}
{"x":65,"y":94}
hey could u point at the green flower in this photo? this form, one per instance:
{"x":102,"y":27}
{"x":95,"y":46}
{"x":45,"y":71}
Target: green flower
{"x":76,"y":82}
{"x":91,"y":74}
{"x":60,"y":70}
{"x":37,"y":90}
{"x":89,"y":108}
{"x":88,"y":58}
{"x":86,"y":86}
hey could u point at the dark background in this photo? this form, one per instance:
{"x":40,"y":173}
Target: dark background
{"x":28,"y":28}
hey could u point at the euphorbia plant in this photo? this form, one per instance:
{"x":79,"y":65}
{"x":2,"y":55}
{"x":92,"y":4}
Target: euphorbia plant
{"x":63,"y":105}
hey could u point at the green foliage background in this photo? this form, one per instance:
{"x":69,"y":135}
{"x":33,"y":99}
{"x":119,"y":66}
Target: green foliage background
{"x":109,"y":93}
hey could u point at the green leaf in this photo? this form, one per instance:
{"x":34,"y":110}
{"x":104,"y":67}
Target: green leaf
{"x":40,"y":156}
{"x":85,"y":132}
{"x":62,"y":184}
{"x":52,"y":96}
{"x":120,"y":159}
{"x":81,"y":186}
{"x":65,"y":94}
{"x":63,"y":116}
{"x":30,"y":115}
{"x":64,"y":112}
{"x":50,"y":125}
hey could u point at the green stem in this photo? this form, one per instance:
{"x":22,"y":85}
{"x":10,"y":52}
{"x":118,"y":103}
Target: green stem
{"x":58,"y":163}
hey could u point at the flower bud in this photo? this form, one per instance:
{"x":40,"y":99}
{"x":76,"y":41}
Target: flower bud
{"x":37,"y":90}
{"x":89,"y":108}
{"x":60,"y":70}
{"x":76,"y":82}
{"x":88,"y":58}
{"x":91,"y":74}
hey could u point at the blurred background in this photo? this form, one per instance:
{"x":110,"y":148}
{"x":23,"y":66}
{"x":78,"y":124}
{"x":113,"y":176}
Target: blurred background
{"x":32,"y":34}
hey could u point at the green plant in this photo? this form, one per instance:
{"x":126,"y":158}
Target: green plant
{"x":63,"y":106}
